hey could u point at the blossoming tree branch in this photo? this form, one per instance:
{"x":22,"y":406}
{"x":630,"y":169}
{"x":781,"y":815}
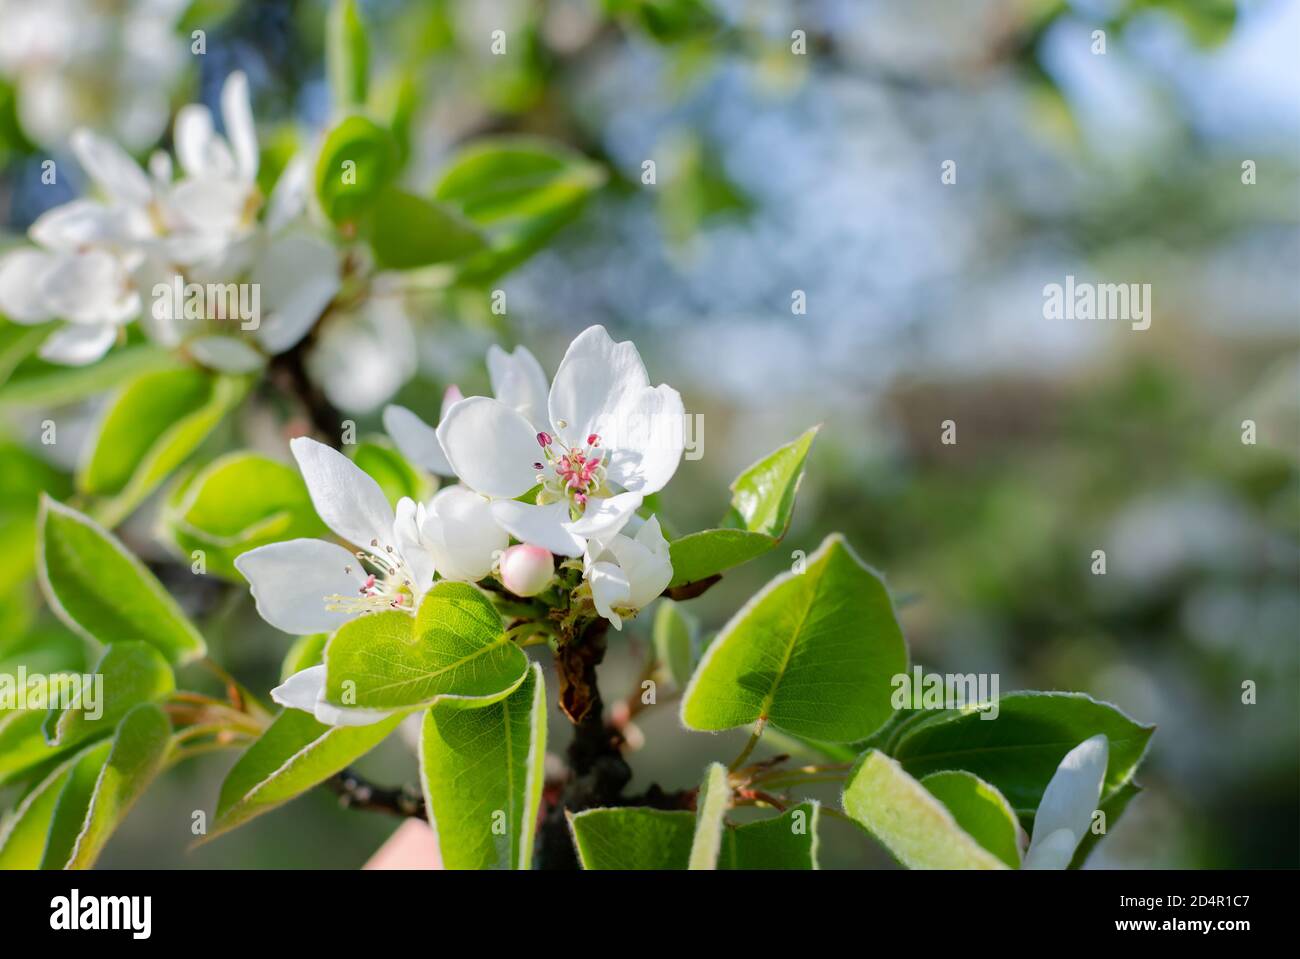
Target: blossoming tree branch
{"x":456,"y":576}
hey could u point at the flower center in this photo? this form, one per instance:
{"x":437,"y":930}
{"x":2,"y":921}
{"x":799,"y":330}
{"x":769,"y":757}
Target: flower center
{"x":387,"y":585}
{"x":570,"y":473}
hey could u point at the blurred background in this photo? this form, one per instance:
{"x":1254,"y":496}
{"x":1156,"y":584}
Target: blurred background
{"x":778,"y":174}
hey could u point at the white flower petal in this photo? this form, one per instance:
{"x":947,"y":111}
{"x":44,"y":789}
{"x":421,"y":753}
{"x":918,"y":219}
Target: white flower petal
{"x":410,"y":518}
{"x":210,"y":206}
{"x":609,"y":588}
{"x":346,"y":498}
{"x":645,"y":440}
{"x":463,"y":533}
{"x":597,"y":378}
{"x":363,"y":358}
{"x":201,"y":154}
{"x":648,"y":571}
{"x":78,"y":345}
{"x":113,"y":171}
{"x":226,"y":353}
{"x":237,"y":114}
{"x":490,"y":447}
{"x":606,"y":516}
{"x":332,"y":715}
{"x":91,"y":287}
{"x":1068,"y":803}
{"x":305,"y":690}
{"x":290,"y":581}
{"x":297,"y":278}
{"x":518,"y":381}
{"x":416,"y":440}
{"x":289,"y":195}
{"x":544,"y":526}
{"x":22,"y":297}
{"x":74,"y":225}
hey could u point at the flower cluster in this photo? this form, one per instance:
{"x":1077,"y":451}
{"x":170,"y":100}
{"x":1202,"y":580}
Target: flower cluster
{"x":608,"y":439}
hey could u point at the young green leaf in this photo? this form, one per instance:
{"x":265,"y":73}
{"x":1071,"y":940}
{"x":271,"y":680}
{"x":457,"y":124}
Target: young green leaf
{"x":453,"y":648}
{"x":762,"y":503}
{"x":150,"y":427}
{"x":387,"y":467}
{"x":39,"y":383}
{"x":132,"y":673}
{"x":407,"y":231}
{"x":1019,"y":751}
{"x":674,"y":639}
{"x":139,"y":750}
{"x":633,"y":838}
{"x":980,"y":810}
{"x":23,"y":831}
{"x":347,"y":53}
{"x":306,"y":651}
{"x":357,"y":160}
{"x":23,"y":749}
{"x":237,"y":503}
{"x":103,"y":592}
{"x":911,"y":823}
{"x":710,"y":811}
{"x":787,"y":841}
{"x":482,"y":775}
{"x":294,"y":754}
{"x":813,"y":653}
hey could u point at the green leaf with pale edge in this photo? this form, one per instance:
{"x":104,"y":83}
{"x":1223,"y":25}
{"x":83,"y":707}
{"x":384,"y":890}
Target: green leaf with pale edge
{"x":633,"y":838}
{"x":237,"y":503}
{"x":481,"y":769}
{"x":23,"y":749}
{"x":149,"y":428}
{"x":1019,"y":751}
{"x":139,"y":751}
{"x":294,"y":754}
{"x":51,"y":384}
{"x":710,"y":811}
{"x":347,"y":53}
{"x":762,"y":502}
{"x":636,"y":838}
{"x":787,"y":841}
{"x":101,"y":591}
{"x":911,"y":823}
{"x":104,"y":784}
{"x":980,"y":810}
{"x":674,"y":640}
{"x":814,"y":653}
{"x":357,"y":161}
{"x":407,"y":231}
{"x":453,"y":648}
{"x":24,"y":830}
{"x":133,"y":673}
{"x":306,"y":651}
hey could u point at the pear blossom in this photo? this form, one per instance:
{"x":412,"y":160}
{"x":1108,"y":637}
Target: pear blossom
{"x":305,"y":690}
{"x":610,"y":440}
{"x":626,"y":573}
{"x":1065,"y":813}
{"x":306,"y":586}
{"x":526,"y":570}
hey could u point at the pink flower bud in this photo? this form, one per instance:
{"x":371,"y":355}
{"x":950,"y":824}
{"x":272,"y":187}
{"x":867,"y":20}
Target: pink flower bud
{"x":452,"y":395}
{"x":543,"y":440}
{"x":526,"y":570}
{"x":593,"y":439}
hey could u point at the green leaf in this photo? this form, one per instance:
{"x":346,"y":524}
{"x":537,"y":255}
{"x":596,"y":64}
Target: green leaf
{"x":294,"y":754}
{"x":103,"y":785}
{"x":23,"y":831}
{"x":132,"y":673}
{"x":150,"y":427}
{"x":710,"y":811}
{"x":407,"y":231}
{"x":1018,"y":752}
{"x":306,"y":651}
{"x":357,"y":160}
{"x":787,"y":841}
{"x":633,"y":838}
{"x":22,"y":744}
{"x":521,"y":191}
{"x":762,"y":502}
{"x":980,"y":810}
{"x":387,"y":467}
{"x":813,"y":653}
{"x":101,"y":591}
{"x":482,"y":775}
{"x":454,"y":648}
{"x":674,"y":640}
{"x":236,"y":503}
{"x":347,"y":53}
{"x":38,"y":383}
{"x":911,"y":823}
